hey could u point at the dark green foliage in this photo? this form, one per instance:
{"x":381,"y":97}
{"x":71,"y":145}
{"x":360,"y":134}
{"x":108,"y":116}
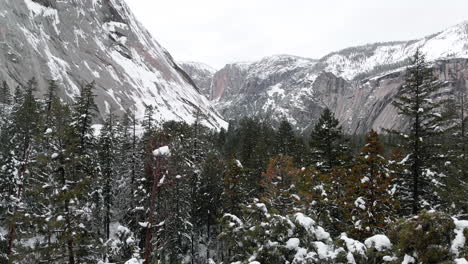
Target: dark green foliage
{"x":286,"y":143}
{"x":417,"y":101}
{"x":426,"y":237}
{"x":238,"y":194}
{"x":5,"y":93}
{"x":327,"y":143}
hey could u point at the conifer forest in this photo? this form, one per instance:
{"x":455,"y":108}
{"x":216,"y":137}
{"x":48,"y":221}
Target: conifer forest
{"x":143,"y":191}
{"x":233,"y":132}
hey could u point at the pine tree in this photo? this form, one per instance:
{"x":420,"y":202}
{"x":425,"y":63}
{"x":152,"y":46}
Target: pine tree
{"x":328,"y":143}
{"x":416,"y":101}
{"x":234,"y":187}
{"x":285,"y":139}
{"x":208,"y":200}
{"x":5,"y":95}
{"x":45,"y":213}
{"x":455,"y":147}
{"x":25,"y":118}
{"x":78,"y":181}
{"x":108,"y":143}
{"x":176,"y":234}
{"x":369,"y":199}
{"x":279,"y":185}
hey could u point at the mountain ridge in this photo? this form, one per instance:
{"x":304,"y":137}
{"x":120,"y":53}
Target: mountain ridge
{"x":298,"y":89}
{"x":101,"y":40}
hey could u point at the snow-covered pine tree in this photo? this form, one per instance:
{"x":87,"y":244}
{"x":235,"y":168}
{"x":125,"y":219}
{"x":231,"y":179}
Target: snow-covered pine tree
{"x":174,"y":216}
{"x":417,"y":101}
{"x":107,"y":151}
{"x":79,"y":176}
{"x":208,"y":203}
{"x":5,"y":93}
{"x":142,"y":176}
{"x":279,"y":185}
{"x":234,"y":187}
{"x":23,"y":131}
{"x":369,"y":201}
{"x":456,"y":148}
{"x":123,"y":245}
{"x":328,"y":144}
{"x":45,"y":209}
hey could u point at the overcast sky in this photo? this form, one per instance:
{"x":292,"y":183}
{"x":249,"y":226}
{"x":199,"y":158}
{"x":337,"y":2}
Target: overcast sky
{"x":217,"y":32}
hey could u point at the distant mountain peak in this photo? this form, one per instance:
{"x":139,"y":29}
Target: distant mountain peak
{"x":357,"y":83}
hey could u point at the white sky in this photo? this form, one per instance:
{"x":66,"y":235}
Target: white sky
{"x":217,"y":32}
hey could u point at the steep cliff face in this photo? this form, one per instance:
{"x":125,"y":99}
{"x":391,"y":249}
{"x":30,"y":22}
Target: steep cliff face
{"x":84,"y":40}
{"x":357,"y":83}
{"x":201,"y":74}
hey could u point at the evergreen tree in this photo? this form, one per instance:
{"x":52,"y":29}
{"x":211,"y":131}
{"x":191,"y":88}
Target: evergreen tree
{"x":416,"y":101}
{"x":369,"y":199}
{"x":455,"y":147}
{"x":23,"y":129}
{"x":287,"y":143}
{"x":79,"y":175}
{"x":5,"y":95}
{"x":209,"y":200}
{"x":234,"y":187}
{"x":45,"y":213}
{"x":279,"y":185}
{"x":328,"y":143}
{"x":108,"y":143}
{"x":285,"y":139}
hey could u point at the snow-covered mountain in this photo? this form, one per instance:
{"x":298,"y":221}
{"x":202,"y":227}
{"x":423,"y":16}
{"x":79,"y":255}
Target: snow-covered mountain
{"x":201,"y":74}
{"x":77,"y":41}
{"x":369,"y":59}
{"x":357,"y":83}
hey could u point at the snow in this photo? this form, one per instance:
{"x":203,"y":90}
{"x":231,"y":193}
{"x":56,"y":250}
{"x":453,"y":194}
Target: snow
{"x":143,"y":224}
{"x":276,"y":90}
{"x":353,"y":246}
{"x":235,"y":219}
{"x":365,"y":179}
{"x":360,"y":203}
{"x":161,"y":181}
{"x":353,"y":61}
{"x":147,"y":78}
{"x":388,"y":258}
{"x":323,"y":250}
{"x":379,"y":242}
{"x":321,"y":234}
{"x":162,"y":151}
{"x":198,"y":65}
{"x":239,"y":164}
{"x":54,"y":155}
{"x":134,"y":261}
{"x":408,"y":259}
{"x":461,"y":261}
{"x":459,"y":240}
{"x":304,"y":221}
{"x":293,"y":243}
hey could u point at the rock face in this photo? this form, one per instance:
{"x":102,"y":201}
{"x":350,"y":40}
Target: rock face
{"x":84,"y":40}
{"x":357,"y":83}
{"x":201,"y":74}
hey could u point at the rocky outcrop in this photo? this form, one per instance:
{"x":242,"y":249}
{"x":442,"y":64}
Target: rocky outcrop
{"x":357,"y":83}
{"x":74,"y":42}
{"x":201,"y":74}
